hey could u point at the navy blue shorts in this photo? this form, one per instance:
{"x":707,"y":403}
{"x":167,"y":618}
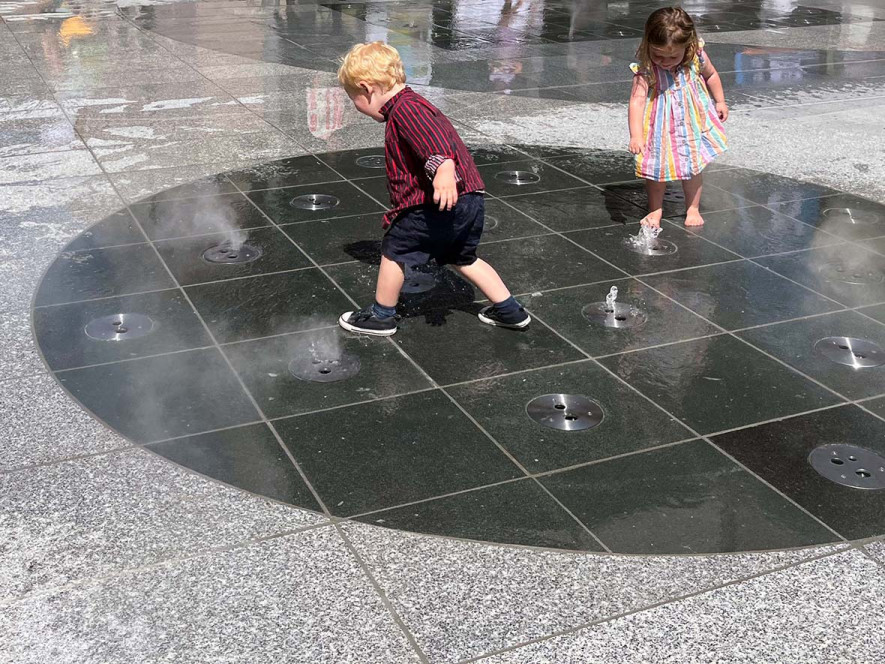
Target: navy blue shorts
{"x":450,"y":237}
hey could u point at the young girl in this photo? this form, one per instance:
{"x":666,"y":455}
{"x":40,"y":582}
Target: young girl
{"x":677,"y":108}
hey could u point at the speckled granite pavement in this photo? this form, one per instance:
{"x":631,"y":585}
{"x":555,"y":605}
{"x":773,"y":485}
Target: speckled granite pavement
{"x":109,"y":553}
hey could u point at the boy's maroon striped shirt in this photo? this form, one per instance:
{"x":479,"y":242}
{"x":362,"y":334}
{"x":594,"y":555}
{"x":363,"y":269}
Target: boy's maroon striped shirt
{"x":418,"y":138}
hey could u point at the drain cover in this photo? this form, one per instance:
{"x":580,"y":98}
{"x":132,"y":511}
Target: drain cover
{"x":225,"y":253}
{"x":490,"y":223}
{"x":858,"y":276}
{"x":852,"y":216}
{"x":309,"y":367}
{"x":857,"y":353}
{"x":418,"y":281}
{"x":518,"y":177}
{"x":849,"y":465}
{"x":120,"y":327}
{"x":314,"y":202}
{"x":619,"y":316}
{"x":372,"y":161}
{"x":565,"y":412}
{"x":655,"y":248}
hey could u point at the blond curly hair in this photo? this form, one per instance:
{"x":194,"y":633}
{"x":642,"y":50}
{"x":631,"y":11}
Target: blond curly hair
{"x":374,"y":62}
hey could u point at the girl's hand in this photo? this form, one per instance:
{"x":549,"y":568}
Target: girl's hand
{"x":637,"y":146}
{"x":722,"y":110}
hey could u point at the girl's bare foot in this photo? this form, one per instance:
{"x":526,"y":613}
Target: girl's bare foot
{"x":693,"y":217}
{"x":653,"y":219}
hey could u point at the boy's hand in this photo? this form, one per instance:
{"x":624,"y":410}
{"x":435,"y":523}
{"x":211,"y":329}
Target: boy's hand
{"x":637,"y":146}
{"x":722,"y":110}
{"x":445,"y":189}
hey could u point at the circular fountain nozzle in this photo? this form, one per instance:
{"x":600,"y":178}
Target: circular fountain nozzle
{"x":324,"y":369}
{"x":372,"y":161}
{"x":852,"y":216}
{"x":518,"y":177}
{"x":314,"y":202}
{"x":565,"y":412}
{"x":849,"y":465}
{"x":855,"y":276}
{"x":618,"y":315}
{"x":656,"y":247}
{"x":120,"y":327}
{"x":852,"y":352}
{"x":228,"y":253}
{"x":490,"y":223}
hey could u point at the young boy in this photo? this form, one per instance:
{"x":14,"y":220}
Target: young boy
{"x":436,"y":193}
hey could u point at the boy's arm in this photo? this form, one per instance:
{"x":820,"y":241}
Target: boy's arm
{"x":638,"y":98}
{"x":714,"y":85}
{"x":424,"y":133}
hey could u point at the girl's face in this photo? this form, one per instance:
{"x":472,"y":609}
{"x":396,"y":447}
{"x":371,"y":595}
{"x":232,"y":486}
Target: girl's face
{"x":667,"y":57}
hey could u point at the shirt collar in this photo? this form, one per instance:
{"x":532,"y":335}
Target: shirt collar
{"x":388,"y":106}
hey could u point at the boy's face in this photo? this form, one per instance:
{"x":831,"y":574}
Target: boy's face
{"x":368,"y":100}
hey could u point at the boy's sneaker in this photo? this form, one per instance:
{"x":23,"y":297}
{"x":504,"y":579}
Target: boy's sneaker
{"x":365,"y":322}
{"x":517,"y":320}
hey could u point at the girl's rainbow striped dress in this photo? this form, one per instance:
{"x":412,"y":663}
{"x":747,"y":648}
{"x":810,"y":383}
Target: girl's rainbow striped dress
{"x":682,"y":130}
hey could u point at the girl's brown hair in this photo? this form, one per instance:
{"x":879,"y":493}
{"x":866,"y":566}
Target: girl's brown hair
{"x":668,"y":26}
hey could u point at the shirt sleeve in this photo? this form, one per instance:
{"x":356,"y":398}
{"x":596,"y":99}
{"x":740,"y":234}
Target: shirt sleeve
{"x":433,"y":164}
{"x":422,"y":130}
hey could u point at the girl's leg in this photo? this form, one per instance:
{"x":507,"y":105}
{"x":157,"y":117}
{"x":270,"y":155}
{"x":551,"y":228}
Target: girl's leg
{"x":485,"y":279}
{"x":655,"y":192}
{"x":390,"y":282}
{"x":692,"y":189}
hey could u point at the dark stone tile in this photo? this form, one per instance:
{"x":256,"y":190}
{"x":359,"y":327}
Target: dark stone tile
{"x":184,"y":256}
{"x":794,"y":342}
{"x":757,"y":231}
{"x":739,"y":294}
{"x":596,"y":93}
{"x":765,"y":188}
{"x":115,"y":230}
{"x":211,"y":185}
{"x":877,"y":245}
{"x":630,"y":423}
{"x":386,"y":453}
{"x":345,"y":162}
{"x":162,"y":219}
{"x":60,"y":330}
{"x":264,"y":367}
{"x":586,"y":207}
{"x":339,"y":240}
{"x":778,"y":453}
{"x":877,"y":312}
{"x":525,"y":265}
{"x":276,"y":203}
{"x":844,"y":215}
{"x":86,"y":275}
{"x":551,"y":178}
{"x":666,"y":322}
{"x":451,"y":291}
{"x":847,"y":273}
{"x":242,"y":309}
{"x":611,"y":244}
{"x":305,"y":169}
{"x":491,"y":153}
{"x":683,"y":499}
{"x":503,"y":222}
{"x":876,"y":405}
{"x":436,"y":341}
{"x":514,"y":513}
{"x":249,"y":458}
{"x":712,"y":198}
{"x":718,"y":383}
{"x":162,"y":397}
{"x":377,"y":189}
{"x":599,"y":166}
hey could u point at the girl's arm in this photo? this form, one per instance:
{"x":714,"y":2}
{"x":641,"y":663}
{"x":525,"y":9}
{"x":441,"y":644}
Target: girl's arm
{"x":638,"y":97}
{"x":714,"y":85}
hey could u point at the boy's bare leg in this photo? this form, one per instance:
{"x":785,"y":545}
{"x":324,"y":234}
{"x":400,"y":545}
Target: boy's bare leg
{"x":390,"y":282}
{"x":485,"y":279}
{"x":692,"y":189}
{"x":655,"y":192}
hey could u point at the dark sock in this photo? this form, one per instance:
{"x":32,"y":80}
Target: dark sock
{"x":508,"y":306}
{"x":381,"y":312}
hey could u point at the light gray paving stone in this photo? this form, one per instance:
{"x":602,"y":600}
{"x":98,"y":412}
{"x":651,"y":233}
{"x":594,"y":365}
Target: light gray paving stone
{"x":98,"y":515}
{"x":300,"y":598}
{"x":18,"y":353}
{"x":136,"y":185}
{"x":465,"y":599}
{"x":46,"y":166}
{"x":877,"y":549}
{"x":820,"y":612}
{"x":19,"y":137}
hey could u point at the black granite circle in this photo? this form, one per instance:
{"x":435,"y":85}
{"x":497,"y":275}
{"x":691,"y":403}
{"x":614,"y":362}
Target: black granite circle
{"x":712,"y":406}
